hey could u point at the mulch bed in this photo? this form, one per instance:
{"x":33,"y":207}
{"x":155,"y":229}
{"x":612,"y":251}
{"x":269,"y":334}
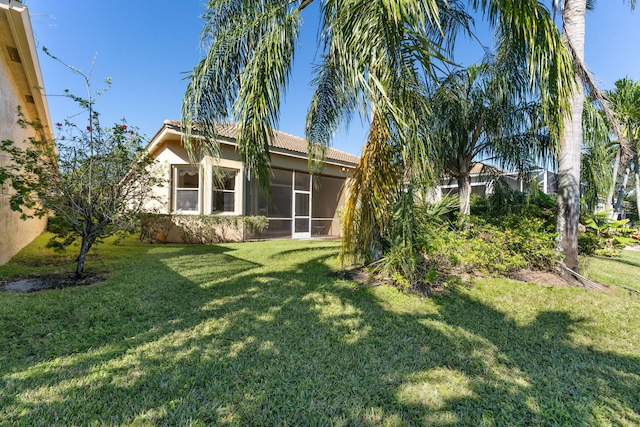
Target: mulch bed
{"x":57,"y":280}
{"x":542,"y":278}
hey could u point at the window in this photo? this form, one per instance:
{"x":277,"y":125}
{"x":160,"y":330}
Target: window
{"x":278,"y":206}
{"x":186,"y":189}
{"x":224,"y":191}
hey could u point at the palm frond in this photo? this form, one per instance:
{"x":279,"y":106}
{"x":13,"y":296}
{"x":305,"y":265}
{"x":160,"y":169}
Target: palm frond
{"x":250,"y":49}
{"x":525,"y":30}
{"x":372,"y":192}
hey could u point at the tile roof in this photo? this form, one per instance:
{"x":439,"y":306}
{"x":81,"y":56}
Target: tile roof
{"x":280,"y":140}
{"x":477,"y":168}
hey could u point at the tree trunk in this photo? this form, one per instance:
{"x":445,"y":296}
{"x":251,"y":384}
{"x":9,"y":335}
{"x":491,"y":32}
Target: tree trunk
{"x":608,"y":204}
{"x":85,"y":245}
{"x":623,"y":187}
{"x":464,"y":194}
{"x":637,"y":177}
{"x":568,"y":215}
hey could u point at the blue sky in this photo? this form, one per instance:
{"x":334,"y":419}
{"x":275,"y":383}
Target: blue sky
{"x":147,"y":51}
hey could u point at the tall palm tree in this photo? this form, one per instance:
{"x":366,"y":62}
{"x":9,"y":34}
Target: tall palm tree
{"x":370,"y":53}
{"x":624,"y":100}
{"x":475,"y":115}
{"x":603,"y":149}
{"x":600,"y":154}
{"x":568,"y":200}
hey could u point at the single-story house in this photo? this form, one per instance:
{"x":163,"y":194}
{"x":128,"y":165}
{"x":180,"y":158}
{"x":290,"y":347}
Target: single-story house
{"x":21,"y":84}
{"x":483,"y":178}
{"x":301,"y":206}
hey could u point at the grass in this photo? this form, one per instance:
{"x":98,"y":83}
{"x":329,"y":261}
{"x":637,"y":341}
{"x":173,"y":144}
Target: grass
{"x":262,"y":334}
{"x":619,"y":270}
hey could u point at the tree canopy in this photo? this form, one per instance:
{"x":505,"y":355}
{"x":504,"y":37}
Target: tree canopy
{"x":94,"y":180}
{"x":474,"y":116}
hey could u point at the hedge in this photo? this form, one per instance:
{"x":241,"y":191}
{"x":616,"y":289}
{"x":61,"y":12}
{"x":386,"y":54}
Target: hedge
{"x":202,"y":228}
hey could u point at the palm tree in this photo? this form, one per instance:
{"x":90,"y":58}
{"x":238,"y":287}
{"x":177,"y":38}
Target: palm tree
{"x":371,"y":52}
{"x":600,"y":154}
{"x":624,"y":100}
{"x":568,"y":200}
{"x":405,"y":141}
{"x":474,"y":114}
{"x":602,"y":150}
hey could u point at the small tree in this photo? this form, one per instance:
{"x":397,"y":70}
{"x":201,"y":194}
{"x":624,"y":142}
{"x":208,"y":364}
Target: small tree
{"x":95,"y":180}
{"x":477,"y":115}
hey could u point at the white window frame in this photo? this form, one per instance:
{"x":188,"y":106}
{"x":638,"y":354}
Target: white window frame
{"x":175,"y":189}
{"x":234,"y":191}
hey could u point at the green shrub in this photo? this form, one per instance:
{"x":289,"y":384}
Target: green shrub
{"x":255,"y":225}
{"x":511,"y":205}
{"x":208,"y":228}
{"x":154,"y":225}
{"x":477,"y":244}
{"x":588,"y":243}
{"x":424,"y":244}
{"x":400,"y":261}
{"x":201,"y":228}
{"x":604,"y":235}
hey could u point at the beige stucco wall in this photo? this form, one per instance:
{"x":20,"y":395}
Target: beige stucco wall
{"x":171,"y":153}
{"x":14,"y":232}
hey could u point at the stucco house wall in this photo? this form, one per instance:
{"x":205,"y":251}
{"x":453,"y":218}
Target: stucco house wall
{"x":21,"y":85}
{"x":288,"y":162}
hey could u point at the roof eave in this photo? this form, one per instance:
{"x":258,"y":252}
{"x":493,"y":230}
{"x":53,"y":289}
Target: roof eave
{"x":171,"y":125}
{"x":22,"y":32}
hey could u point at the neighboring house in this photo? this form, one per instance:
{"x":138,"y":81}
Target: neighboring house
{"x":483,"y":178}
{"x":301,"y":206}
{"x":21,"y":85}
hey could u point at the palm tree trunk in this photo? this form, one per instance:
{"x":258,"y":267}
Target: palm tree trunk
{"x":608,"y":204}
{"x":464,"y":194}
{"x":621,"y":191}
{"x":637,"y":177}
{"x":568,"y":215}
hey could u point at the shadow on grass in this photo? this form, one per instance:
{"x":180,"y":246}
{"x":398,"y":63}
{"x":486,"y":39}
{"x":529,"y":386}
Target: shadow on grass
{"x":203,"y":335}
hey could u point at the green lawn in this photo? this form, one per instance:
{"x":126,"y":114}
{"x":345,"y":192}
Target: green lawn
{"x":621,"y":270}
{"x":262,"y":334}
